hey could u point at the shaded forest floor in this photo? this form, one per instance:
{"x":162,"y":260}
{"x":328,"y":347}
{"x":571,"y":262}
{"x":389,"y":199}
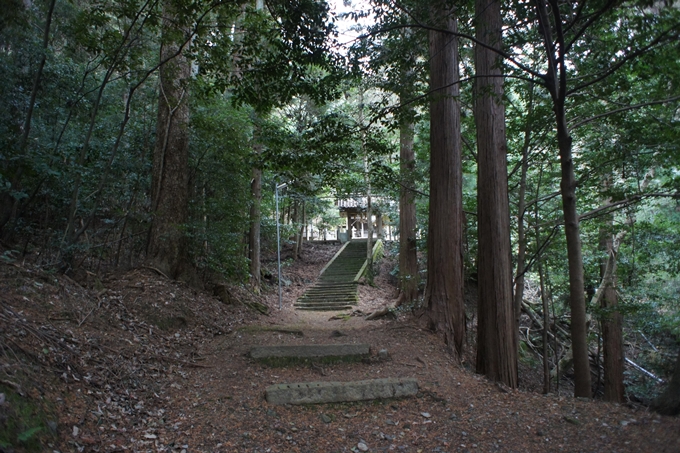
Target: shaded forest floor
{"x":134,"y":362}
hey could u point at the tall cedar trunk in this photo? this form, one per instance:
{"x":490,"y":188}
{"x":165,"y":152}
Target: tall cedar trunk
{"x":254,"y":234}
{"x":668,"y":403}
{"x":444,"y":290}
{"x":496,"y":330}
{"x":555,"y":80}
{"x":408,"y":257}
{"x":168,"y":245}
{"x":612,"y":324}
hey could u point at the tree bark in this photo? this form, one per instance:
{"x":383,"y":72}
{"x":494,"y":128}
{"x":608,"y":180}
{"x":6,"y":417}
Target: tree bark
{"x":496,"y":330}
{"x":408,"y":253}
{"x":168,"y":245}
{"x":443,"y":298}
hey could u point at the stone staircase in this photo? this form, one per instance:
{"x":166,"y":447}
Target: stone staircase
{"x":336,"y":287}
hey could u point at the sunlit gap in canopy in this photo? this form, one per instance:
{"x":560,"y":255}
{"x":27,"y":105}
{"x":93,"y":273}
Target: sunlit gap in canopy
{"x":349,"y":29}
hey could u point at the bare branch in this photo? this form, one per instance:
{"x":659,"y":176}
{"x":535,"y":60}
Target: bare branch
{"x":664,"y":37}
{"x":623,"y":109}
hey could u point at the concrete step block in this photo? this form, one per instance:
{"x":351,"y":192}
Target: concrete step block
{"x":338,"y":392}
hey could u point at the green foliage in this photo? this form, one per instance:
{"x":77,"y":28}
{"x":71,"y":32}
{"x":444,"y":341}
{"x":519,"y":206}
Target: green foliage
{"x":23,"y":422}
{"x":220,"y":154}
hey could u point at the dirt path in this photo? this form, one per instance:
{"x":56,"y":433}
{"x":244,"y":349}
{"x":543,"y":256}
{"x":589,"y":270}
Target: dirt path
{"x":147,"y":365}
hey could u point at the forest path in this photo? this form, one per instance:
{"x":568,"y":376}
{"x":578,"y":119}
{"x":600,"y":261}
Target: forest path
{"x":152,"y":365}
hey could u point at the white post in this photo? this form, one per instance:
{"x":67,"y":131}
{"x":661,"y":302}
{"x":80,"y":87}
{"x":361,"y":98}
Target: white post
{"x":278,"y":237}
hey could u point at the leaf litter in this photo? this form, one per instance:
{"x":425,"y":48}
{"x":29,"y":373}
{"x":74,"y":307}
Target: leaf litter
{"x":138,"y":363}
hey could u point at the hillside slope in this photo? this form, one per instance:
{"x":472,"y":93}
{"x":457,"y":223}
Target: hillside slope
{"x":135,"y":362}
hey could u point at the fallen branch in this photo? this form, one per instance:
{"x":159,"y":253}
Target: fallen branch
{"x":526,"y":308}
{"x":648,"y":342}
{"x":87,"y":315}
{"x":648,"y":373}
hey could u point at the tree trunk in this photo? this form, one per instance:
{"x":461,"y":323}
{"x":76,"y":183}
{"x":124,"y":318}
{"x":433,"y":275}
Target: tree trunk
{"x":555,"y":81}
{"x":254,"y":236}
{"x":380,"y":233}
{"x":303,"y":226}
{"x":577,"y":299}
{"x":521,"y":208}
{"x":10,"y":204}
{"x":369,"y":223}
{"x":443,"y":298}
{"x":546,"y":324}
{"x":168,"y":245}
{"x":612,"y":321}
{"x":668,"y":403}
{"x":496,"y":330}
{"x":408,"y":254}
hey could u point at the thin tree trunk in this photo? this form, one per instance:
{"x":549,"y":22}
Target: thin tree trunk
{"x":9,"y":203}
{"x":124,"y":227}
{"x":303,"y":226}
{"x":444,"y":290}
{"x":577,"y":301}
{"x":70,"y":233}
{"x":496,"y":329}
{"x":521,"y":234}
{"x":168,"y":245}
{"x":408,"y":253}
{"x":546,"y":324}
{"x":254,"y":236}
{"x":369,"y":224}
{"x":556,"y":83}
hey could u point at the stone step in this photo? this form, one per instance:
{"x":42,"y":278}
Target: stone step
{"x":323,"y":307}
{"x":327,"y":282}
{"x":332,"y":291}
{"x":310,"y":351}
{"x":349,"y":299}
{"x":338,"y":392}
{"x":326,"y":301}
